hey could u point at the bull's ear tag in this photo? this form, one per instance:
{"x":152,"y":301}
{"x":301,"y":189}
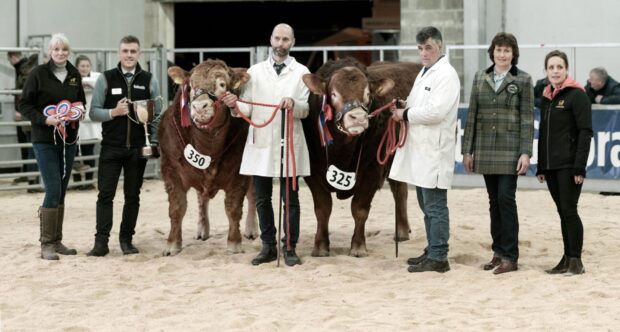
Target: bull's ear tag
{"x":339,"y":179}
{"x":196,"y":158}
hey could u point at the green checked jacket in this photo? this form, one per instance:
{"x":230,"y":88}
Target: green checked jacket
{"x":500,"y":125}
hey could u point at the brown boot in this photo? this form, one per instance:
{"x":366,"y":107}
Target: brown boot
{"x":48,"y":218}
{"x":60,"y":248}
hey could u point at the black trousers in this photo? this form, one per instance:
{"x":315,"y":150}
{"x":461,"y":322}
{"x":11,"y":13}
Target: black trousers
{"x":565,"y":193}
{"x":111,"y":161}
{"x":264,"y":188}
{"x":504,"y":218}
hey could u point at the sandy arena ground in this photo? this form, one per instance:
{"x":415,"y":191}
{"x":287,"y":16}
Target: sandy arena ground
{"x":204,"y":288}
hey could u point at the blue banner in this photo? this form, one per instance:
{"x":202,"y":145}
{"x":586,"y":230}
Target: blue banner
{"x":604,"y":158}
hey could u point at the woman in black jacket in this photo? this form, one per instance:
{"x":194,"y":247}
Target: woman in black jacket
{"x":563,"y":147}
{"x":53,"y":137}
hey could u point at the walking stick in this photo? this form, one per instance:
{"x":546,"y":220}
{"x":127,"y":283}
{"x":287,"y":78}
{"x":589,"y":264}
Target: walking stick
{"x":279,"y":251}
{"x":396,"y":236}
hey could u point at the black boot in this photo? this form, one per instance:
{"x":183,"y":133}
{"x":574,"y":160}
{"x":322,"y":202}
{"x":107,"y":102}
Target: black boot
{"x":430,"y":265}
{"x":99,"y":250}
{"x":291,"y":258}
{"x":268,"y":253}
{"x":575,"y":266}
{"x":128,"y":248}
{"x":48,"y":218}
{"x":60,"y":248}
{"x":562,"y":267}
{"x":419,"y":259}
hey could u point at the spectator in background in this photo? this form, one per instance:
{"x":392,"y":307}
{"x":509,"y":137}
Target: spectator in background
{"x":498,"y":143}
{"x":601,"y":88}
{"x":89,"y":130}
{"x":23,"y":66}
{"x":538,"y":90}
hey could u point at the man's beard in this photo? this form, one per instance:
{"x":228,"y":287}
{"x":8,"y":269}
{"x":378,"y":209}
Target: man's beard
{"x":280,"y":51}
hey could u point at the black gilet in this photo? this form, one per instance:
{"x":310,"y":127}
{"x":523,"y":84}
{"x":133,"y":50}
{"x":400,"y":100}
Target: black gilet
{"x":122,"y":131}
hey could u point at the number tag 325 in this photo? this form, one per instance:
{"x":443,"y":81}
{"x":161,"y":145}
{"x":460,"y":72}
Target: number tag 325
{"x":195,"y":158}
{"x":339,"y":179}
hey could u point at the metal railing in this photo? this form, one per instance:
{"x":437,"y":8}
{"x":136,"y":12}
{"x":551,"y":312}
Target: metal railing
{"x":157,"y":58}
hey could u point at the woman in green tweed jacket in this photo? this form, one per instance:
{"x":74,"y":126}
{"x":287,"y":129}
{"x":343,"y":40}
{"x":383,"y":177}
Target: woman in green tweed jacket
{"x":498,"y":143}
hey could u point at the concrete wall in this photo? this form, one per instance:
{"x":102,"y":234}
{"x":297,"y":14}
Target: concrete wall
{"x":446,"y":15}
{"x":535,"y":22}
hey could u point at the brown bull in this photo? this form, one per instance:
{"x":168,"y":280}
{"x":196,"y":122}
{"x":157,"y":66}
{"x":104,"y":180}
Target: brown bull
{"x":352,"y":90}
{"x":201,"y":147}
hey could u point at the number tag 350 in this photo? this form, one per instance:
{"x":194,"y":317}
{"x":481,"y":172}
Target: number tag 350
{"x":195,"y":158}
{"x":339,"y":179}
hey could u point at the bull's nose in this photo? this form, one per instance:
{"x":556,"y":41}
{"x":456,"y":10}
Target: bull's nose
{"x":359,"y":118}
{"x":200,"y":104}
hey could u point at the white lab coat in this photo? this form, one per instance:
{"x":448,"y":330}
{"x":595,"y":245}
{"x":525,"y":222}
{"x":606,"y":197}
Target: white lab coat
{"x":427,"y":158}
{"x":90,"y":129}
{"x":261,"y":155}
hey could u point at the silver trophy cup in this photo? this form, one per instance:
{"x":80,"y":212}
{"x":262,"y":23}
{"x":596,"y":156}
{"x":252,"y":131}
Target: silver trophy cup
{"x":144,"y":113}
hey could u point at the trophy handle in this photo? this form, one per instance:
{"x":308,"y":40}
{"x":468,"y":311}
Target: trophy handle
{"x":147,"y":151}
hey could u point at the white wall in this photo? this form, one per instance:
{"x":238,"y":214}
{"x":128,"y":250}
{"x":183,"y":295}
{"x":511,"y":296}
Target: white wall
{"x":563,"y":22}
{"x":87,"y":23}
{"x":546,"y":22}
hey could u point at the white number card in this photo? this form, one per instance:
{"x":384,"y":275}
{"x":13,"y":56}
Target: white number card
{"x":339,"y":179}
{"x":195,"y":158}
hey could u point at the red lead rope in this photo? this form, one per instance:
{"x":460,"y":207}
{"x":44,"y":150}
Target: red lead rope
{"x":389,"y":136}
{"x":289,"y":134}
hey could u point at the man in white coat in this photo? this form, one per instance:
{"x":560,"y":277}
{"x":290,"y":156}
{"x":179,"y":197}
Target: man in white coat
{"x":275,"y":80}
{"x":427,"y":159}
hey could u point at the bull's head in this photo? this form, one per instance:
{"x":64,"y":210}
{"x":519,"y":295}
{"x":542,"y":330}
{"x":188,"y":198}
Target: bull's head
{"x":349,"y":94}
{"x":203,"y":87}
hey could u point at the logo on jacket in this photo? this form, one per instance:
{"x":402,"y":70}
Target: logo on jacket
{"x":512,"y":88}
{"x":141,"y":87}
{"x":427,"y":88}
{"x":73,"y":81}
{"x":560,"y":104}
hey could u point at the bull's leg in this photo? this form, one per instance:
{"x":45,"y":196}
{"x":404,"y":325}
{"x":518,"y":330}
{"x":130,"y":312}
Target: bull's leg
{"x":203,"y":227}
{"x":322,"y":210}
{"x":400,"y":193}
{"x":177,"y":206}
{"x":360,"y":207}
{"x":233,"y":203}
{"x":251,"y":227}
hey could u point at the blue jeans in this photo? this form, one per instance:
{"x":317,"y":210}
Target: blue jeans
{"x":52,"y":159}
{"x":263,"y":187}
{"x":504,"y":218}
{"x":434,"y":205}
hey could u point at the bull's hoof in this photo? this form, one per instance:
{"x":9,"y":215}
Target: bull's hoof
{"x":172,"y":250}
{"x":360,"y":252}
{"x":234,"y":248}
{"x":202,"y":235}
{"x":320,"y":252}
{"x":252,"y":235}
{"x":402,"y":237}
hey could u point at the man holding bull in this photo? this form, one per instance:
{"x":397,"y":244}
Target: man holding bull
{"x":275,"y":80}
{"x":427,"y":159}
